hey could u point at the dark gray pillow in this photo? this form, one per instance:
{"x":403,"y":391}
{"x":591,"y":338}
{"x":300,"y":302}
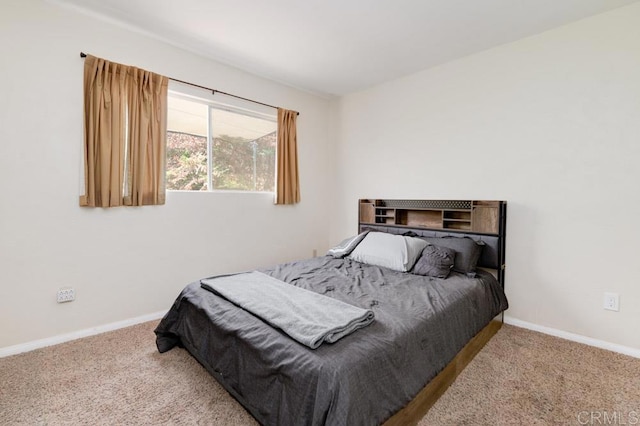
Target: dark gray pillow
{"x":346,"y":246}
{"x":467,"y":252}
{"x":435,"y":261}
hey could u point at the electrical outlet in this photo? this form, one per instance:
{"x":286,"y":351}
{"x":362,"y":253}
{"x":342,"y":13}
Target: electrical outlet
{"x":612,"y":301}
{"x":315,"y":252}
{"x":66,"y":294}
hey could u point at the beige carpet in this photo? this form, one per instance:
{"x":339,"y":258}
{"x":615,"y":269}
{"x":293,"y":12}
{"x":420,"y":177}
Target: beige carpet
{"x":524,"y":377}
{"x":520,"y":377}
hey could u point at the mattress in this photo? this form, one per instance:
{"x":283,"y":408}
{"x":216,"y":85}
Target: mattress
{"x":420,"y":325}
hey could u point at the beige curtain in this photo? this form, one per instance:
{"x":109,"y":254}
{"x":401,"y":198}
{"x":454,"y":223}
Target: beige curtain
{"x":287,"y":186}
{"x":125,"y":123}
{"x":147,"y":102}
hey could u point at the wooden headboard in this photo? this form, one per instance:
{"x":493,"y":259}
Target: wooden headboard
{"x":481,"y":220}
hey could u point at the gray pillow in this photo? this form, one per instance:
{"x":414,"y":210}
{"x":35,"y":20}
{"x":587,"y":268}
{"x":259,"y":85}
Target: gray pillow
{"x":389,"y":251}
{"x":467,"y":252}
{"x":346,"y":246}
{"x":435,"y":261}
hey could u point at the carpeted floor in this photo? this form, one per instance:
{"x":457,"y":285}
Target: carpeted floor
{"x":525,"y":377}
{"x":520,"y":377}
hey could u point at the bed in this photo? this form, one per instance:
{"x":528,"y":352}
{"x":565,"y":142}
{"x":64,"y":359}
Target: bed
{"x":425,"y":330}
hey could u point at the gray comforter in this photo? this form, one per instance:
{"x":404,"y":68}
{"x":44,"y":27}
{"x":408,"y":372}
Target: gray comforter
{"x":364,"y":378}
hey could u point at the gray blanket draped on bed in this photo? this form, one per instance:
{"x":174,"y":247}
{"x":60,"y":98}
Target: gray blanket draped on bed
{"x":307,"y":317}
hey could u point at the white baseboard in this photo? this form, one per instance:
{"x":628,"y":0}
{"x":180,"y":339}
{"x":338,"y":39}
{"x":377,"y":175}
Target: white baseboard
{"x":626,"y":350}
{"x":49,"y":341}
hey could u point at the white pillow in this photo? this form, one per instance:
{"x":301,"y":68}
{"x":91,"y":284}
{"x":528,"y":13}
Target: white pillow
{"x":346,"y":246}
{"x":395,"y":252}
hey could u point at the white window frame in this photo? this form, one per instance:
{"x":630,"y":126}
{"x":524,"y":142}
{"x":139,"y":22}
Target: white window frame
{"x":186,"y":92}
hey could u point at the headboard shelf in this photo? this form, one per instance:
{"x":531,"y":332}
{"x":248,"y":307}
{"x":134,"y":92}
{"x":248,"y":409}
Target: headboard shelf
{"x":481,"y":220}
{"x":463,"y":215}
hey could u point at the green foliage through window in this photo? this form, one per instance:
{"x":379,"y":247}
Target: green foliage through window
{"x":186,"y":162}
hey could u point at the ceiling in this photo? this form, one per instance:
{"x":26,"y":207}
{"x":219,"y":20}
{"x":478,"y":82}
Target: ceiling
{"x":334,"y":47}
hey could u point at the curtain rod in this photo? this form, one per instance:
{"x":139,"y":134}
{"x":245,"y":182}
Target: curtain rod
{"x":213,"y":91}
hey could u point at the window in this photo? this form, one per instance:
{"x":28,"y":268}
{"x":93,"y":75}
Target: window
{"x":217,"y":147}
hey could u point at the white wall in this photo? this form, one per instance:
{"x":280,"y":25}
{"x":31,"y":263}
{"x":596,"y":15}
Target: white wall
{"x":552,"y":125}
{"x":123,"y":262}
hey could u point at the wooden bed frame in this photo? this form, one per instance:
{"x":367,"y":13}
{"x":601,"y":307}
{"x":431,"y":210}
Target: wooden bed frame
{"x":420,"y":405}
{"x":480,"y":220}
